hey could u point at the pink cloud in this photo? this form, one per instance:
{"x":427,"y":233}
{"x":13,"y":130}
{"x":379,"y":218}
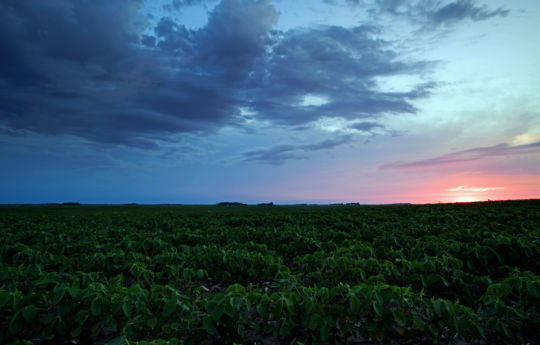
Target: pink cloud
{"x":474,"y":189}
{"x":474,"y":154}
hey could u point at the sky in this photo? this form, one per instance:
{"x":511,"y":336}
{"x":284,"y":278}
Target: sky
{"x":305,"y":101}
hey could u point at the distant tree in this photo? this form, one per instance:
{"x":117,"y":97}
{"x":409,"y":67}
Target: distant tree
{"x":229,"y":203}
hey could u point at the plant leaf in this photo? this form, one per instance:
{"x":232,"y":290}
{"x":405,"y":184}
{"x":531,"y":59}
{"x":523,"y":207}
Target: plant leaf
{"x":117,"y":341}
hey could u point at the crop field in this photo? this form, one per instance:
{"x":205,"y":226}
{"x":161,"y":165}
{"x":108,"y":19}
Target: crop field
{"x":403,"y":274}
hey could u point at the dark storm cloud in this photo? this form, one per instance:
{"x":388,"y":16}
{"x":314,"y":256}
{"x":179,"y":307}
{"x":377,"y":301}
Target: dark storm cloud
{"x":235,"y":37}
{"x":77,"y":68}
{"x":335,"y":63}
{"x":97,"y":71}
{"x":279,"y":154}
{"x":473,"y":154}
{"x":171,"y":37}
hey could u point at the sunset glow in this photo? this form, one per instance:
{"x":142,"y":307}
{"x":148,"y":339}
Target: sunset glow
{"x":475,"y":189}
{"x":467,"y":199}
{"x":469,"y":194}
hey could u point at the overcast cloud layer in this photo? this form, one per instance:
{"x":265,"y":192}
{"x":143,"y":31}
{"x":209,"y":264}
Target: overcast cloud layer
{"x":132,"y":75}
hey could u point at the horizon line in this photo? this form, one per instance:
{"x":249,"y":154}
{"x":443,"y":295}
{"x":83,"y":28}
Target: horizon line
{"x":236,"y":203}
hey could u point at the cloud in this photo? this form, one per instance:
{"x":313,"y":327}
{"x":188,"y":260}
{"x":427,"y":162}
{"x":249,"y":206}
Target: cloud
{"x":98,"y":71}
{"x":460,"y":10}
{"x":366,"y":126}
{"x":474,"y":189}
{"x":429,"y":13}
{"x":9,"y":132}
{"x":171,"y":37}
{"x":106,"y":87}
{"x":473,"y":154}
{"x":176,"y":5}
{"x":277,"y":155}
{"x":335,"y":63}
{"x":235,"y":37}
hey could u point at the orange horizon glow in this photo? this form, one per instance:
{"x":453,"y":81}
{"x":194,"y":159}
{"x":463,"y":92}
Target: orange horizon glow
{"x":472,"y":193}
{"x":483,"y":187}
{"x":390,"y":187}
{"x":464,"y":187}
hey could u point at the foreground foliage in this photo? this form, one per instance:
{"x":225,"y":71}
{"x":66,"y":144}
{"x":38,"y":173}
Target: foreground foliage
{"x":270,"y":274}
